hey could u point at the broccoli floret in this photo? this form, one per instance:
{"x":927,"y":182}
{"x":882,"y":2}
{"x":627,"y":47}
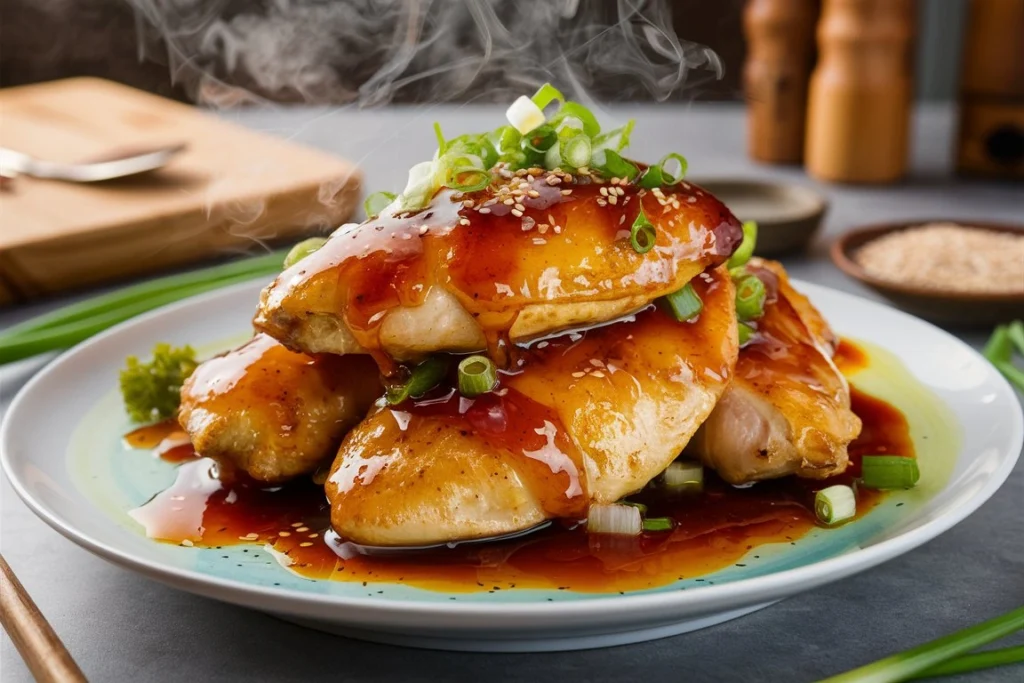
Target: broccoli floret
{"x":152,"y":391}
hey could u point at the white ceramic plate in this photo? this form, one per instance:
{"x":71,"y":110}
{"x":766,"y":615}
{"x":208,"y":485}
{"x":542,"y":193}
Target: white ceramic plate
{"x":61,"y":450}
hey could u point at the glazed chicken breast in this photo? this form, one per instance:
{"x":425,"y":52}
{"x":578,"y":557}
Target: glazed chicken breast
{"x":582,"y":418}
{"x":787,"y":410}
{"x":273,"y":413}
{"x":534,"y":254}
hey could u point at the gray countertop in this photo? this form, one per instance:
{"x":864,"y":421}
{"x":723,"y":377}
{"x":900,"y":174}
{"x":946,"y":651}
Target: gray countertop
{"x":122,"y":627}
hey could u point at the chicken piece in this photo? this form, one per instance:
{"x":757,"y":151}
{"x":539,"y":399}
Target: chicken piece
{"x":587,"y":417}
{"x":273,"y":413}
{"x":787,"y":410}
{"x":472,"y":269}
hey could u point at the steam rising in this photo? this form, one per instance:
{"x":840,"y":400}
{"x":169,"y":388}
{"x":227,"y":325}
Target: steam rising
{"x":373,"y":52}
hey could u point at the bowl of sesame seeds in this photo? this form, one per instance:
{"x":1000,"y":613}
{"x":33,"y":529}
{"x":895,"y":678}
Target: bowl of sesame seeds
{"x":954,"y":273}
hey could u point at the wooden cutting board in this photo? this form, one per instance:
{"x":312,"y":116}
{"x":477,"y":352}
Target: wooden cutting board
{"x":230,"y":191}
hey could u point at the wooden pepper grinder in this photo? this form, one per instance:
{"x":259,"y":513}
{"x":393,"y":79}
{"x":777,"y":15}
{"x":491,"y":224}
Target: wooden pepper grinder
{"x":859,"y":103}
{"x":780,"y":40}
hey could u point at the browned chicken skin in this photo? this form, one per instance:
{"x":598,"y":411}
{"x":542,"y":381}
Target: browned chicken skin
{"x":471,"y":269}
{"x":588,"y":418}
{"x":787,"y":410}
{"x":273,"y":413}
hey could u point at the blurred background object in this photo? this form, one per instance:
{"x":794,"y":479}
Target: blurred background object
{"x":858,"y":107}
{"x":991,"y":140}
{"x":780,"y":48}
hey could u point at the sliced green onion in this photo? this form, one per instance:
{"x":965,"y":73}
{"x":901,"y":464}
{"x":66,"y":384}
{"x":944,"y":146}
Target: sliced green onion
{"x":525,"y":115}
{"x":835,"y":504}
{"x":667,"y":177}
{"x":746,"y":248}
{"x":620,"y":520}
{"x":611,"y":165}
{"x":467,"y":179}
{"x":576,"y":151}
{"x":303,"y":249}
{"x":750,"y":296}
{"x":746,"y":332}
{"x":577,"y":111}
{"x":440,"y":138}
{"x":657,"y":524}
{"x":642,"y":234}
{"x":889,"y":472}
{"x":553,"y":158}
{"x":1012,"y":373}
{"x":639,"y":506}
{"x":651,"y":178}
{"x":423,"y":378}
{"x":684,"y":304}
{"x":1016,"y":332}
{"x":684,"y":475}
{"x":477,"y":375}
{"x":547,"y":94}
{"x":615,"y":140}
{"x":999,"y":347}
{"x":907,"y":664}
{"x":377,"y":202}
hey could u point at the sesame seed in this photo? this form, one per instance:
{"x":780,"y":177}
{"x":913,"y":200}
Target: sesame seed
{"x":597,"y":373}
{"x":613,"y":200}
{"x":305,"y":544}
{"x":297,"y":524}
{"x":604,"y":191}
{"x":553,"y":180}
{"x":520,"y":207}
{"x":551,"y":219}
{"x":517,"y":213}
{"x":533,"y":193}
{"x":692,"y":200}
{"x":187,"y":543}
{"x":509,"y":202}
{"x":614,"y":181}
{"x":313,"y":535}
{"x":558,"y":229}
{"x":463,"y":221}
{"x":302,"y":529}
{"x":469,"y":203}
{"x":577,"y":375}
{"x":284,"y":533}
{"x":539,"y":241}
{"x":596,"y":363}
{"x":484,"y":210}
{"x":601,"y":202}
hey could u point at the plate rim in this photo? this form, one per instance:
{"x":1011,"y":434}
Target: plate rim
{"x":707,"y":598}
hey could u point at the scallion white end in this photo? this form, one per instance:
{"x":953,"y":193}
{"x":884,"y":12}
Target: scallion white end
{"x":684,"y":475}
{"x":835,"y":504}
{"x":620,"y":520}
{"x":525,"y":115}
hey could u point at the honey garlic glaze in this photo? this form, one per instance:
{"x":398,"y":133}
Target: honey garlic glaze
{"x":508,"y":253}
{"x":713,"y":529}
{"x":581,"y":418}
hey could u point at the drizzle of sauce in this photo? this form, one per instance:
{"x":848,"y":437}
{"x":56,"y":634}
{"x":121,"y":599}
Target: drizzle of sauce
{"x":849,"y":357}
{"x":713,"y":529}
{"x":166,"y":439}
{"x":552,"y":244}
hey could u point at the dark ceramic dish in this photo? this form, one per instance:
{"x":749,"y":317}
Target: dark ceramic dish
{"x":788,"y":216}
{"x":940,"y":306}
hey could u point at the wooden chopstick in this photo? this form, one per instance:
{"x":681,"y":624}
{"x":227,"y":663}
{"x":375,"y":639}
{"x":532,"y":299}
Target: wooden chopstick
{"x":43,"y":652}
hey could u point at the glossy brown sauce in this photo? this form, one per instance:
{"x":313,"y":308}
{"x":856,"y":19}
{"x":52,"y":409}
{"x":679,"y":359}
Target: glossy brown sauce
{"x":713,"y":529}
{"x":849,"y":357}
{"x":566,"y":244}
{"x":165,"y":439}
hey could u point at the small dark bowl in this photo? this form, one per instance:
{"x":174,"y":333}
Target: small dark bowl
{"x":940,"y":306}
{"x":788,"y":216}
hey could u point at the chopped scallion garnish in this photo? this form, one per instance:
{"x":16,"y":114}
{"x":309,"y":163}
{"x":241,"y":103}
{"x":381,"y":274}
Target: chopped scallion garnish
{"x":684,"y":475}
{"x":750,"y":297}
{"x":746,"y":332}
{"x":642,"y":234}
{"x":303,"y":249}
{"x":889,"y":472}
{"x":746,"y":248}
{"x":835,"y":504}
{"x":477,"y":375}
{"x":525,"y":115}
{"x":639,"y":506}
{"x":377,"y":202}
{"x":576,"y":151}
{"x":611,"y":165}
{"x":547,"y":94}
{"x":669,"y":177}
{"x":999,"y":351}
{"x":620,"y":520}
{"x":657,"y":524}
{"x":422,"y":379}
{"x":683,"y":304}
{"x":575,"y":110}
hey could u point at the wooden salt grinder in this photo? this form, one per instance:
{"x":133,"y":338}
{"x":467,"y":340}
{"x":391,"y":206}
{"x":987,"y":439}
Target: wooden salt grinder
{"x":780,"y":40}
{"x":859,"y":101}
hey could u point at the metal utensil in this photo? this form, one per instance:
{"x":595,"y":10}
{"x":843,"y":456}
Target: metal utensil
{"x":117,"y":165}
